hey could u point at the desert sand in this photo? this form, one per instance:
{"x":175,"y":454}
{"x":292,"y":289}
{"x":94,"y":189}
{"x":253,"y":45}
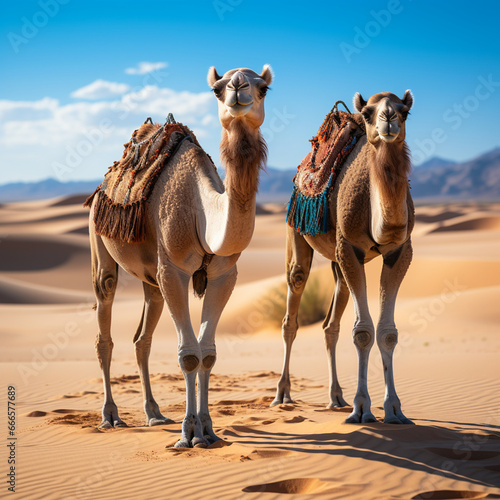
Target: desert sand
{"x":447,"y":374}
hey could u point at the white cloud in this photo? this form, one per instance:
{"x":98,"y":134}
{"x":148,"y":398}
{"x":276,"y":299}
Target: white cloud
{"x":101,"y":89}
{"x":146,"y":67}
{"x":36,"y":136}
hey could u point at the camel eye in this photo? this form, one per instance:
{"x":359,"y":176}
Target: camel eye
{"x":217,"y":91}
{"x":263,"y":91}
{"x":367,"y":114}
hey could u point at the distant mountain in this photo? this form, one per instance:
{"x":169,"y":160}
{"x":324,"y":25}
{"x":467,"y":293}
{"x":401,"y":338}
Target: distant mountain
{"x":436,"y":178}
{"x":48,"y":188}
{"x":275,"y":186}
{"x":436,"y":162}
{"x":477,"y":178}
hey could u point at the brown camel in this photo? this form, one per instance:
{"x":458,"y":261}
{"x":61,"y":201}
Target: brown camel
{"x":371,"y":214}
{"x":194,"y":221}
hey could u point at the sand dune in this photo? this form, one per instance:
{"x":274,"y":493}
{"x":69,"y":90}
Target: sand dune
{"x":446,"y":372}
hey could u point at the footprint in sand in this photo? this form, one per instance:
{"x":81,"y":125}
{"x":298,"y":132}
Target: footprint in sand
{"x":35,"y":413}
{"x":304,"y":486}
{"x":452,"y":495}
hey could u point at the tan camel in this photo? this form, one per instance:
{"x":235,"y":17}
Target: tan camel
{"x":371,"y":214}
{"x":192,"y":214}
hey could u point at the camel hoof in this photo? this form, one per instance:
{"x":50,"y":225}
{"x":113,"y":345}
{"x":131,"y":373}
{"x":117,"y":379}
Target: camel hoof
{"x":353,"y":418}
{"x":356,"y":418}
{"x":159,"y":421}
{"x":198,"y":442}
{"x":105,"y":425}
{"x":368,"y":418}
{"x":399,"y":420}
{"x":212,"y":439}
{"x":338,"y":402}
{"x":183,"y":443}
{"x":282,"y":400}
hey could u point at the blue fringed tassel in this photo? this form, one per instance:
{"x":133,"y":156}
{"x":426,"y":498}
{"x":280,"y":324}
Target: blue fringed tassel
{"x":309,"y":215}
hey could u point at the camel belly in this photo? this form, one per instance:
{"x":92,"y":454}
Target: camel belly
{"x":134,"y":258}
{"x":324,"y":244}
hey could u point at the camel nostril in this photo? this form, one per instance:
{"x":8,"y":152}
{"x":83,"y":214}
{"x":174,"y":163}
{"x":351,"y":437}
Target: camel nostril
{"x":238,"y":81}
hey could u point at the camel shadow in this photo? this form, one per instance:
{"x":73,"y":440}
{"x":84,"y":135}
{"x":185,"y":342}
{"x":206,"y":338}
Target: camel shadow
{"x":435,"y":450}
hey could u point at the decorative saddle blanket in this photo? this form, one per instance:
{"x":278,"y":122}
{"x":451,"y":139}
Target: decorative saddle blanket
{"x":120,"y":209}
{"x":308,"y":206}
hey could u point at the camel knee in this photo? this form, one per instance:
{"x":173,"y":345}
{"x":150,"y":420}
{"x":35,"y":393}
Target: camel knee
{"x":209,"y":361}
{"x":363,"y":339}
{"x":297,"y":278}
{"x":387,"y":340}
{"x":189,"y":363}
{"x":105,"y":286}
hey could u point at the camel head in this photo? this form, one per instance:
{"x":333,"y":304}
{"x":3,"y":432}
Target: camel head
{"x":384,"y":115}
{"x":240,"y":94}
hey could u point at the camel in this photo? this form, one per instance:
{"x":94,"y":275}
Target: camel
{"x":371,"y":213}
{"x":196,"y":226}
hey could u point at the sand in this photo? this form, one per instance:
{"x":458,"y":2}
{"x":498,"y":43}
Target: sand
{"x":446,"y":364}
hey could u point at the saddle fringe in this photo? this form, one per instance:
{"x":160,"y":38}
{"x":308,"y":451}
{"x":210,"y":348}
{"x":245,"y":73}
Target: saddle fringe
{"x":118,"y":221}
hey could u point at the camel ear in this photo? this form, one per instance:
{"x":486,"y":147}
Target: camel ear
{"x":267,"y":74}
{"x":408,"y":99}
{"x":358,"y":101}
{"x":212,"y":76}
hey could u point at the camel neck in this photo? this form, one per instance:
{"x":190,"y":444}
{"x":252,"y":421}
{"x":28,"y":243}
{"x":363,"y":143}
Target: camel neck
{"x":389,"y":170}
{"x":230,"y":215}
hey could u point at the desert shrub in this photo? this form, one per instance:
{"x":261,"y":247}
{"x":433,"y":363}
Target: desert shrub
{"x":313,"y":306}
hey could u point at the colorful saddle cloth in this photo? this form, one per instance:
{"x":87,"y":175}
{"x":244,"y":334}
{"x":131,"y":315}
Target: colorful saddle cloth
{"x":120,"y":210}
{"x":308,"y":206}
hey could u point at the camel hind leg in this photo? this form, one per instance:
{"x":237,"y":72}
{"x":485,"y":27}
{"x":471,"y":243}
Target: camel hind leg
{"x":153,"y":307}
{"x":299,"y":260}
{"x":104,"y":280}
{"x":331,"y":327}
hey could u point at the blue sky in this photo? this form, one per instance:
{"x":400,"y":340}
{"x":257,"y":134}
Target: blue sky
{"x":79,"y":76}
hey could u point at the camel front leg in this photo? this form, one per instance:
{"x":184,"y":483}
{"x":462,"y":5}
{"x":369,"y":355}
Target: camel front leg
{"x":396,"y":264}
{"x":298,"y":265}
{"x":217,"y":294}
{"x":153,"y":307}
{"x":331,"y":327}
{"x":174,"y":287}
{"x":351,"y":262}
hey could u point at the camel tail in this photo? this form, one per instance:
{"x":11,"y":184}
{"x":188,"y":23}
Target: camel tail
{"x":200,"y":282}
